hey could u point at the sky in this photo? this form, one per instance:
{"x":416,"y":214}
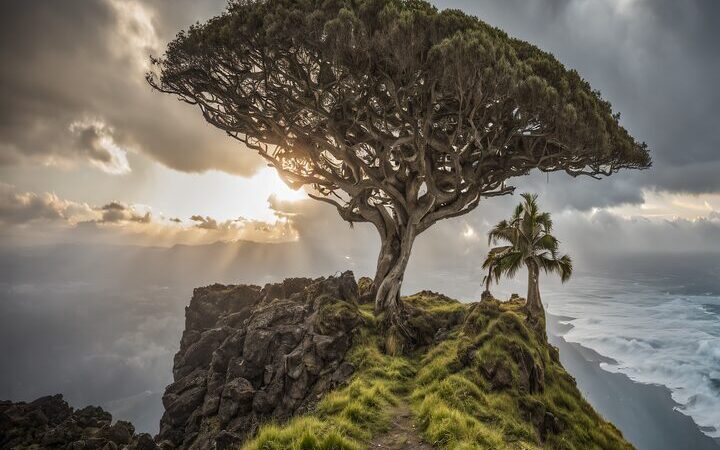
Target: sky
{"x":113,"y":197}
{"x":89,"y":153}
{"x":91,"y":156}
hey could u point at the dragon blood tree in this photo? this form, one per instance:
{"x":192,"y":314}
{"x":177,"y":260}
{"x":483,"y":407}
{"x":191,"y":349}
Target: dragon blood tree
{"x":394,"y":112}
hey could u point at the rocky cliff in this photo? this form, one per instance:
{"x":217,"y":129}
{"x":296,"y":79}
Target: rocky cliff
{"x":251,"y":354}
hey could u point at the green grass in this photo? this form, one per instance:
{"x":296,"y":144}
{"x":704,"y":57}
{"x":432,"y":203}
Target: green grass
{"x":459,"y":404}
{"x":347,"y":417}
{"x":302,"y":433}
{"x":469,"y":391}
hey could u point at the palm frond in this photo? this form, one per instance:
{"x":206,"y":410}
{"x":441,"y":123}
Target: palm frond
{"x":510,"y":263}
{"x":527,"y":234}
{"x":530,"y":198}
{"x":501,"y":232}
{"x":494,"y":255}
{"x":545,"y":221}
{"x":517,"y":214}
{"x":561,"y":266}
{"x":566,"y":268}
{"x":547,"y":242}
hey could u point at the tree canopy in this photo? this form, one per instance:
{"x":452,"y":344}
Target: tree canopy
{"x":394,"y":112}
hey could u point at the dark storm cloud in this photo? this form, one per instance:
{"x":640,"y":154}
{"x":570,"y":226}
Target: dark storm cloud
{"x":559,"y":191}
{"x":656,"y":61}
{"x":73,"y":88}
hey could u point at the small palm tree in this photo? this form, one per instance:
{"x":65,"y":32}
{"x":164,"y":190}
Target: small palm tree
{"x":530,"y":244}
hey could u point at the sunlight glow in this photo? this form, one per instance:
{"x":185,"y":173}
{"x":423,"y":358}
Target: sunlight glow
{"x":671,"y":206}
{"x":269,"y":178}
{"x":219,"y":195}
{"x":469,"y":232}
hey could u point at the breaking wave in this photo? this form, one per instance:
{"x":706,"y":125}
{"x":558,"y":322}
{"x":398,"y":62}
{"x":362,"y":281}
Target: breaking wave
{"x":655,"y":337}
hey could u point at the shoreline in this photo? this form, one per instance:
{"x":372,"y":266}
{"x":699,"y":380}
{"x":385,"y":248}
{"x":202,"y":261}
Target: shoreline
{"x":644,"y":413}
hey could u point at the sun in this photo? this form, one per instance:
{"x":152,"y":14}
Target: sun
{"x":269,"y":178}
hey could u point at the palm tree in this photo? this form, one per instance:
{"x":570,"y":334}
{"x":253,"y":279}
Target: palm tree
{"x":530,"y":244}
{"x":491,"y":264}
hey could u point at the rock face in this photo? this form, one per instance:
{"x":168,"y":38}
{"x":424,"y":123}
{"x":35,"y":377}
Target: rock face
{"x":50,"y":423}
{"x":249,"y":354}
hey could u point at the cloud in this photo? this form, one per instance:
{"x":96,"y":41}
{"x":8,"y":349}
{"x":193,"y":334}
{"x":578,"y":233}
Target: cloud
{"x":94,"y":140}
{"x":205,"y":223}
{"x":115,"y":212}
{"x":652,"y":59}
{"x":28,"y":208}
{"x":120,"y":337}
{"x":559,"y":191}
{"x":605,"y":233}
{"x":135,"y":35}
{"x":89,"y":61}
{"x":17,"y":208}
{"x":32,"y":218}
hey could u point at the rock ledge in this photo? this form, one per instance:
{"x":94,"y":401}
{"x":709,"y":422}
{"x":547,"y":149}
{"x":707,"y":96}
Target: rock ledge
{"x":249,"y":354}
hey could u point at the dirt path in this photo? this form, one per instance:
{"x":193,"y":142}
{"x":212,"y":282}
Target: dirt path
{"x":402,"y":433}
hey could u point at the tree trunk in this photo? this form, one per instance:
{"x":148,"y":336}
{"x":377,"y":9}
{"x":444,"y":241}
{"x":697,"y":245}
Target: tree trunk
{"x":392,"y":262}
{"x":534,"y":303}
{"x":389,"y":253}
{"x":486,"y":295}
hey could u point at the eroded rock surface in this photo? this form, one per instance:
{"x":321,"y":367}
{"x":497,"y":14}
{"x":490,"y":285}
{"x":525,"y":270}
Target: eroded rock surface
{"x":249,"y":354}
{"x":50,"y":423}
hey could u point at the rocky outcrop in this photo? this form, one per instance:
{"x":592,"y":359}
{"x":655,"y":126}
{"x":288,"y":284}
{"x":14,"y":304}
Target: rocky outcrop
{"x":520,"y":366}
{"x":50,"y":423}
{"x":250,"y":354}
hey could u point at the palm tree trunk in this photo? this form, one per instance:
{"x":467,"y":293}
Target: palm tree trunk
{"x":534,"y":303}
{"x":486,"y":295}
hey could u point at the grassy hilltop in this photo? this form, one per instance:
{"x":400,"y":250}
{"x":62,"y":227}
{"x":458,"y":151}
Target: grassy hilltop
{"x":486,"y":380}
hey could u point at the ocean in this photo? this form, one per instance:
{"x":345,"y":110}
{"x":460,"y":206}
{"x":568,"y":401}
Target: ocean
{"x":654,"y":329}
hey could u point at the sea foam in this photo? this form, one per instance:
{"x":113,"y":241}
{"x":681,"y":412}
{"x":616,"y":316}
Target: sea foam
{"x":655,"y":337}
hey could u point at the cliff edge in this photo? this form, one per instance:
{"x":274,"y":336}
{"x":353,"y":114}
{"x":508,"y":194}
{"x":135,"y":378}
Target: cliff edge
{"x":302,"y":365}
{"x":250,"y":355}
